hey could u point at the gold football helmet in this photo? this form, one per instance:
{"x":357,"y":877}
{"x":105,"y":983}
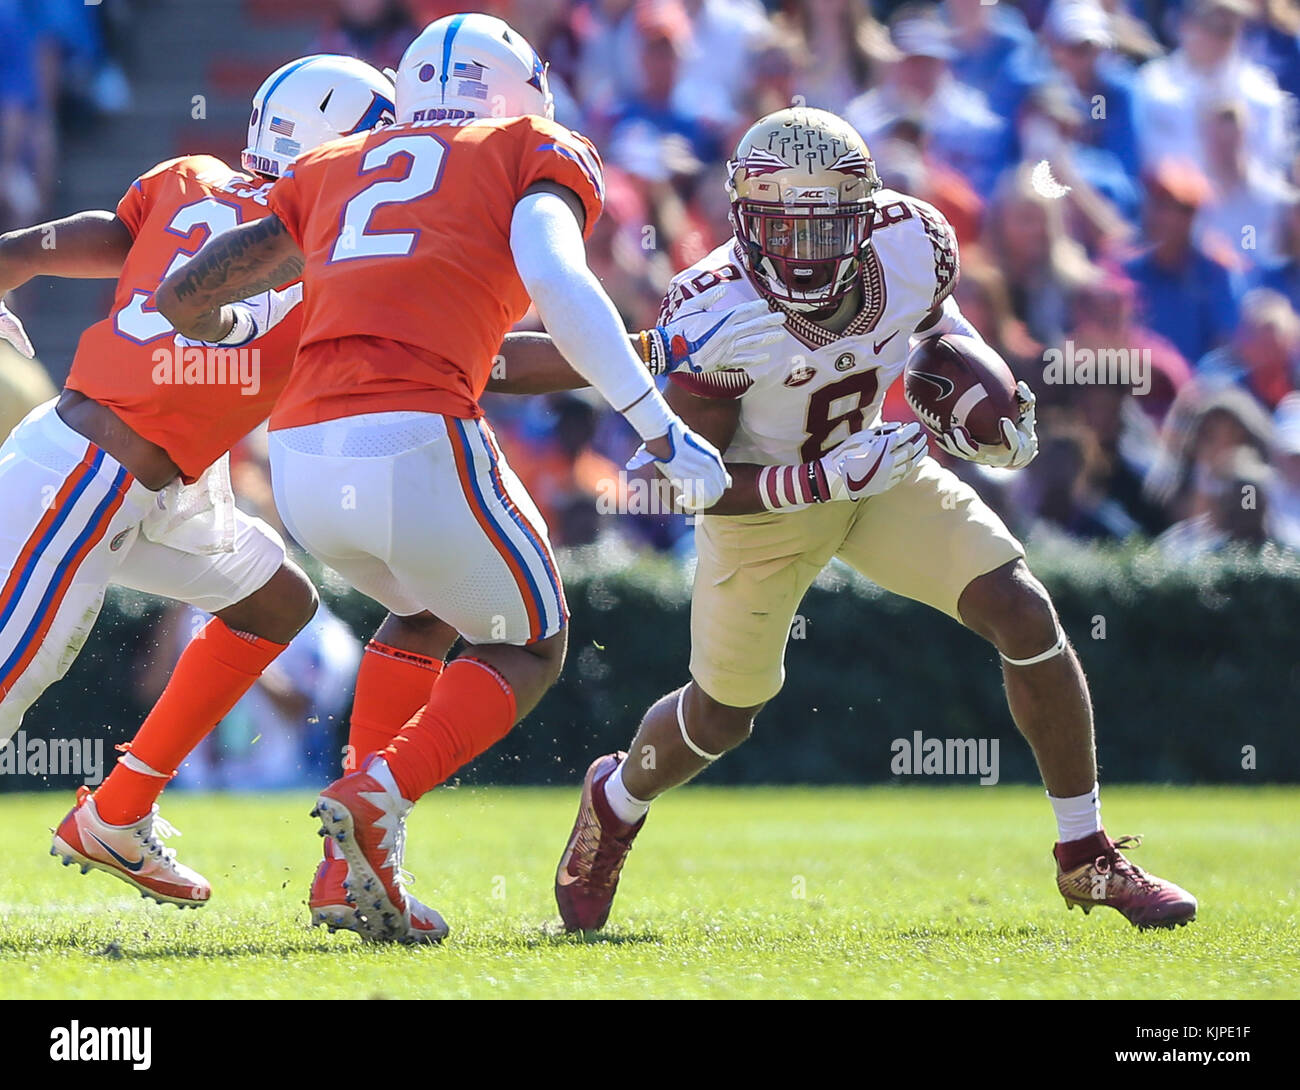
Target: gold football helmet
{"x":802,"y":184}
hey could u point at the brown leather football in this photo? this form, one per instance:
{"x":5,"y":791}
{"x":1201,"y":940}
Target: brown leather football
{"x":955,"y":381}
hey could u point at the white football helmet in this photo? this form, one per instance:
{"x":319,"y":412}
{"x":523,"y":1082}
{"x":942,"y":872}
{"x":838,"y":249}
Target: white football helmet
{"x":310,"y":101}
{"x":471,"y":65}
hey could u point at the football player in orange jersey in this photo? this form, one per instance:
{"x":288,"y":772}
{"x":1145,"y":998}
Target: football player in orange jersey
{"x":124,"y":479}
{"x":422,"y":246}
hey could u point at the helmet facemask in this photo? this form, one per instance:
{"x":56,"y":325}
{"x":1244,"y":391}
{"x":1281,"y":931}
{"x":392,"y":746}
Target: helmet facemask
{"x":802,"y":186}
{"x":805,"y":256}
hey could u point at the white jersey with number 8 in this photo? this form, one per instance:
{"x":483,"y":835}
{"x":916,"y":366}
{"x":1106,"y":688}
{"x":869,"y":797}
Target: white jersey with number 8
{"x":819,"y":387}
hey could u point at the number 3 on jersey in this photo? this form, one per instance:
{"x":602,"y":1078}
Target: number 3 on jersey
{"x":138,"y":320}
{"x":424,"y":155}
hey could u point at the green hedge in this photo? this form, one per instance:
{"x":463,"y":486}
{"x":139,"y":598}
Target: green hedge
{"x":1196,"y":662}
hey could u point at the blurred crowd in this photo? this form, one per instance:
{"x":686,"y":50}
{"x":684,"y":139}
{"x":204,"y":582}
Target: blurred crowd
{"x":59,"y":68}
{"x":1163,"y":236}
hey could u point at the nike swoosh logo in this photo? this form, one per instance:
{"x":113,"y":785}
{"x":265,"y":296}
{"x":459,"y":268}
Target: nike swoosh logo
{"x":854,"y":486}
{"x":878,"y":345}
{"x":133,"y":867}
{"x":943,"y":385}
{"x":564,"y":878}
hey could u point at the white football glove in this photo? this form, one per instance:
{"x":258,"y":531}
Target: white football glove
{"x":709,"y":340}
{"x":1019,"y":443}
{"x":254,"y":317}
{"x":694,"y":468}
{"x":11,"y":330}
{"x":873,"y":461}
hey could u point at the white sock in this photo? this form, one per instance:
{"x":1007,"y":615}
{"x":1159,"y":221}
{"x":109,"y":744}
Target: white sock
{"x":626,"y":806}
{"x":1078,"y":816}
{"x":136,"y":765}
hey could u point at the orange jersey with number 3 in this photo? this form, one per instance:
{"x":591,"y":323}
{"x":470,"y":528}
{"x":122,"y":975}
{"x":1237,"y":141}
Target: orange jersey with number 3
{"x":195,"y":406}
{"x":410,"y":285}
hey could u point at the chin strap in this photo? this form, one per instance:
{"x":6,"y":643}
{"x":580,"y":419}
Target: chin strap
{"x":1050,"y":653}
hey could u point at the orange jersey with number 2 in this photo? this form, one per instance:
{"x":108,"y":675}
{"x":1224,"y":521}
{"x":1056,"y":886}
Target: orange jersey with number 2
{"x":409,"y":284}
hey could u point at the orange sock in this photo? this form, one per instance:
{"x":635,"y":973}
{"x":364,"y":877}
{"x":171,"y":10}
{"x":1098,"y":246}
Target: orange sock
{"x":217,"y":668}
{"x":392,"y":685}
{"x":471,"y":709}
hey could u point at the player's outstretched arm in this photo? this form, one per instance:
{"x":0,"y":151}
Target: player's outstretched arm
{"x":245,"y":261}
{"x":702,"y":340}
{"x":550,"y":256}
{"x":89,"y":245}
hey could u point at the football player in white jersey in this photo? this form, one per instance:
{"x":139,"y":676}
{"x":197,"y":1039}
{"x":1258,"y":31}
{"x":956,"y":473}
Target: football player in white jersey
{"x":860,"y":273}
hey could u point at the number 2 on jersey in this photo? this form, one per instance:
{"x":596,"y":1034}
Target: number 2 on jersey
{"x":425,"y":155}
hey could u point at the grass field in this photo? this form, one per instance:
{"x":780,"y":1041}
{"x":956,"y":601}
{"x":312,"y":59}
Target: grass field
{"x":888,"y":892}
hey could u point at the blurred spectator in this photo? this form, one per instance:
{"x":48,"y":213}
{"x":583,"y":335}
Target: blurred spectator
{"x":1078,"y":38}
{"x":840,"y":47}
{"x":1229,"y":506}
{"x":962,"y":129}
{"x":982,"y":295}
{"x":1273,"y":40}
{"x":652,"y":138}
{"x":905,"y":165}
{"x":1134,"y":40}
{"x":377,"y":31}
{"x":1187,"y":296}
{"x":992,"y":45}
{"x":1201,"y":434}
{"x":1263,"y":357}
{"x":1105,"y":319}
{"x":1285,"y":500}
{"x":1246,"y":212}
{"x":24,"y":125}
{"x":717,"y":59}
{"x":1061,"y":493}
{"x":1025,"y":234}
{"x":1102,"y":200}
{"x":1283,"y":275}
{"x":1174,"y":93}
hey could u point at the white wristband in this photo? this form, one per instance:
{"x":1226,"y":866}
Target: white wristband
{"x":650,"y":416}
{"x":242,"y":330}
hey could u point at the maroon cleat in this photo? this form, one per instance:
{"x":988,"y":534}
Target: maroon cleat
{"x":1092,"y":871}
{"x":587,"y":877}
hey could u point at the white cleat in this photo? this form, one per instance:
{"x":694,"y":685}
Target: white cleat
{"x":365,"y":815}
{"x":331,"y":908}
{"x":134,"y":853}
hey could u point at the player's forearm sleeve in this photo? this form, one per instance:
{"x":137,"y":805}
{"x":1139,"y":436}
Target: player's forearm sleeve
{"x":951,"y":320}
{"x":552,"y":262}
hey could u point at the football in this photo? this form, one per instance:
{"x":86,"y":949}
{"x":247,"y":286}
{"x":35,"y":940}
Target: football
{"x":955,"y":381}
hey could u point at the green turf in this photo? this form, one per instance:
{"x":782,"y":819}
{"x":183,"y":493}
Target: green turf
{"x":891,"y":892}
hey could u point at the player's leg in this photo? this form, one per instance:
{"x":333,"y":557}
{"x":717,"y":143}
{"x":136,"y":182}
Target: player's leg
{"x":750,"y":577}
{"x":259,"y":600}
{"x":458,"y":535}
{"x":931,"y":539}
{"x":67,"y":512}
{"x":398,"y":668}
